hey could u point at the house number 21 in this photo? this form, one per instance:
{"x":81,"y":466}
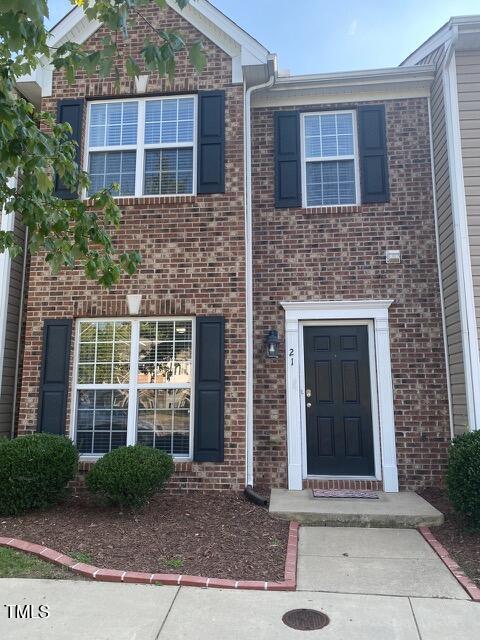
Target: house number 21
{"x":291,"y":354}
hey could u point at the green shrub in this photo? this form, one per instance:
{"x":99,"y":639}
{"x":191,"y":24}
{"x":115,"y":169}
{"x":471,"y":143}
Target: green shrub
{"x":129,"y":476}
{"x":35,"y":471}
{"x":463,"y":475}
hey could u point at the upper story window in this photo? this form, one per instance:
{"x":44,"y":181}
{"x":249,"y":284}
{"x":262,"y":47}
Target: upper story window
{"x":146,"y":146}
{"x":330,"y":159}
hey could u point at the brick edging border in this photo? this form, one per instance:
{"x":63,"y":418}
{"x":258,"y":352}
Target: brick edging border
{"x":289,"y":582}
{"x":469,"y":586}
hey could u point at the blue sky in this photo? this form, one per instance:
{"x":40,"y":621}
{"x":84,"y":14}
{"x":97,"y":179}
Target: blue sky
{"x":314,"y":36}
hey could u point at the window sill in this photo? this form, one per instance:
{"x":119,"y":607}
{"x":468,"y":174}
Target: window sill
{"x":124,"y":201}
{"x":89,"y":458}
{"x":322,"y":209}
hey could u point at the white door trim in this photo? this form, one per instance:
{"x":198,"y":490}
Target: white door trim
{"x":337,"y":312}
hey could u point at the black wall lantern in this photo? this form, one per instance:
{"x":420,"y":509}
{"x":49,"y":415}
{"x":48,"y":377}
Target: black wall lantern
{"x":272,"y":343}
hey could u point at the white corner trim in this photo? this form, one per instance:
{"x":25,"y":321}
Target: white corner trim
{"x":337,"y":310}
{"x":7,"y":223}
{"x":462,"y":246}
{"x":440,"y":273}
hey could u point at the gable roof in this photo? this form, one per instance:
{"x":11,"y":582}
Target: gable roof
{"x":467,"y":26}
{"x":216,"y":26}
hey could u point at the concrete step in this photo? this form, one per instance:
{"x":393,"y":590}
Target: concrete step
{"x":397,"y":510}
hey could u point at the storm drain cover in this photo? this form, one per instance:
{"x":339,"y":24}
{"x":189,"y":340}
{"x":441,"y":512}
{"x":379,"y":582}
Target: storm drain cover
{"x":305,"y":619}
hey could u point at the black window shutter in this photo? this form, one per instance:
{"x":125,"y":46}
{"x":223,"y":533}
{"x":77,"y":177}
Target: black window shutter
{"x":373,"y":154}
{"x":288,"y":192}
{"x":52,"y":404}
{"x":209,"y":388}
{"x":211,"y":142}
{"x":70,"y":111}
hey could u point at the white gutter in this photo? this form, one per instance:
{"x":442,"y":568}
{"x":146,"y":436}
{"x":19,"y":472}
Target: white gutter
{"x":440,"y":276}
{"x":462,"y":246}
{"x":247,"y":152}
{"x":371,"y":76}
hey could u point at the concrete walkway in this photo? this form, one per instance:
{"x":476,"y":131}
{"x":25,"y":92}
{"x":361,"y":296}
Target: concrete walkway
{"x":390,"y":562}
{"x":373,"y":584}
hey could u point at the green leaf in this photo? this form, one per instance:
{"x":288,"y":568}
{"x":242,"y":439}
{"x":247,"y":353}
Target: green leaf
{"x":44,"y":182}
{"x":197,"y":56}
{"x":133,"y":70}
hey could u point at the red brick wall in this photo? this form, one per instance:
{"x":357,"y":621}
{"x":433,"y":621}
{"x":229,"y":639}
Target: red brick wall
{"x":192,"y":247}
{"x":339,"y":253}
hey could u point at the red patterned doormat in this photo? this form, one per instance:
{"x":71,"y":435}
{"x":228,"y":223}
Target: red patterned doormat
{"x":344,"y":493}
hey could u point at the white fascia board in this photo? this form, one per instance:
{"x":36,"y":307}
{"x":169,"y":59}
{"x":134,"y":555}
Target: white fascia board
{"x":337,"y":96}
{"x":351,"y":86}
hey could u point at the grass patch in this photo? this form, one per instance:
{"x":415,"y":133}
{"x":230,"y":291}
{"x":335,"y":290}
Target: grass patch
{"x":81,"y":556}
{"x":15,"y":564}
{"x":174,"y":563}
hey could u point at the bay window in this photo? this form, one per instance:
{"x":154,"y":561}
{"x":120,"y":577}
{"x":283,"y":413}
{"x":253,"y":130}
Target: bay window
{"x":133,"y":384}
{"x":147,"y":146}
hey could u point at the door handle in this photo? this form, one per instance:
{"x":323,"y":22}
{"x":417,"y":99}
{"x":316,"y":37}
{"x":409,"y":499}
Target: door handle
{"x":309,"y":404}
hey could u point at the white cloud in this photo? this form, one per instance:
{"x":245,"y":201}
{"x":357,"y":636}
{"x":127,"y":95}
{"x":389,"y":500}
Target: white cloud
{"x":352,"y":27}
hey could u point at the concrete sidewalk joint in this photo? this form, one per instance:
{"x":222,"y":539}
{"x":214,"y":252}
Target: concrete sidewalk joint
{"x":469,"y":586}
{"x":289,"y":582}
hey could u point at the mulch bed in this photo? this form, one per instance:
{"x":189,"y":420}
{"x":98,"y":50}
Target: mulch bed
{"x":462,"y":543}
{"x":220,"y":536}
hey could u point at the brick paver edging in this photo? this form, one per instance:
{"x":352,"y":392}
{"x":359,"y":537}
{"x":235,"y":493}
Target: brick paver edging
{"x":289,"y":582}
{"x":469,"y":586}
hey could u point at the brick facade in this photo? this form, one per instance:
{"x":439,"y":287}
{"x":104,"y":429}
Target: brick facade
{"x":338,"y":253}
{"x":194,"y":264}
{"x":192,"y":247}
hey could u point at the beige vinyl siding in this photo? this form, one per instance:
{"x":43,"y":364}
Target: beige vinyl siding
{"x":447,"y":246}
{"x":11,"y":338}
{"x":468,"y":81}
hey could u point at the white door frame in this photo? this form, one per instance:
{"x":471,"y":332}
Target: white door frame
{"x":337,"y":312}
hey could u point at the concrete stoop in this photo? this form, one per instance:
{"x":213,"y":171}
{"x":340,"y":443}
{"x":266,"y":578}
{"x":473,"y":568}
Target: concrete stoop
{"x":396,"y":510}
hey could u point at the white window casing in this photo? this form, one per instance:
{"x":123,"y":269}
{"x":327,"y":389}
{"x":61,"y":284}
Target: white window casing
{"x":335,"y":160}
{"x":132,"y":387}
{"x":94,"y":147}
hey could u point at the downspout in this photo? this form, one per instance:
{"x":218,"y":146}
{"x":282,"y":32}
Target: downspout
{"x":440,"y":276}
{"x":462,"y":246}
{"x":19,"y":333}
{"x":247,"y":152}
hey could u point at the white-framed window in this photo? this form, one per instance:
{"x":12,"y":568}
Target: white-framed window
{"x":330,"y":173}
{"x":145,"y":145}
{"x":133,"y":384}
